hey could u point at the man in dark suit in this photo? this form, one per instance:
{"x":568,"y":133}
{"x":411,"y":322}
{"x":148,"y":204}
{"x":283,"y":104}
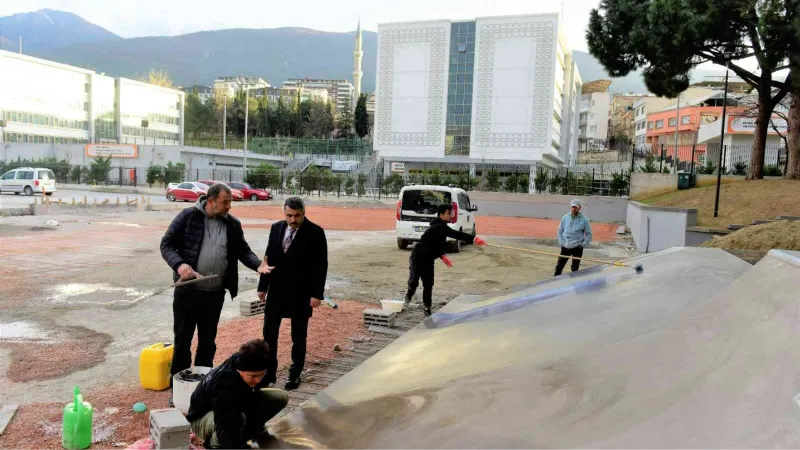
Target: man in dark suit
{"x":297,"y":254}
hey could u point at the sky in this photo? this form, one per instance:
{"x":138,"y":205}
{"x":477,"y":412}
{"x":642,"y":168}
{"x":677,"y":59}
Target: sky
{"x":129,"y":18}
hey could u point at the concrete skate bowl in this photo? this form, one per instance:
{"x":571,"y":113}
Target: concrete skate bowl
{"x":701,"y":350}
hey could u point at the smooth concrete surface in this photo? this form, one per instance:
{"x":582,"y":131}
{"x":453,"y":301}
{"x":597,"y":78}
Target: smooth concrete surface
{"x":699,"y":235}
{"x":699,"y":351}
{"x":649,"y":185}
{"x":596,"y":208}
{"x":655,"y":228}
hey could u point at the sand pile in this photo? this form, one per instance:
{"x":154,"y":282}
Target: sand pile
{"x":782,"y":234}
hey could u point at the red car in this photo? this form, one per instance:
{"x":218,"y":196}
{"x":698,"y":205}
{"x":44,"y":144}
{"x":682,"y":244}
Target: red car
{"x":186,"y":192}
{"x":236,"y":194}
{"x":250,"y":192}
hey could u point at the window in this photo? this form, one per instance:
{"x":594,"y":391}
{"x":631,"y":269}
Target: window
{"x":659,"y":124}
{"x":686,"y":119}
{"x":24,"y":174}
{"x":185,"y":186}
{"x":8,"y":175}
{"x":46,"y":175}
{"x":462,"y":48}
{"x":673,"y":121}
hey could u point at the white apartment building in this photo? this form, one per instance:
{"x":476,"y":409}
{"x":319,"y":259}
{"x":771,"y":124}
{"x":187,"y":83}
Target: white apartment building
{"x":231,"y":85}
{"x":47,"y":102}
{"x":594,"y":120}
{"x":492,"y":90}
{"x":340,"y":92}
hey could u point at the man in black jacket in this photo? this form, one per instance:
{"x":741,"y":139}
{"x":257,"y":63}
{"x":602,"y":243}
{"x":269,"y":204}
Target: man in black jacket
{"x":430,"y":248}
{"x":297,"y":253}
{"x":232,"y":403}
{"x":204,"y":239}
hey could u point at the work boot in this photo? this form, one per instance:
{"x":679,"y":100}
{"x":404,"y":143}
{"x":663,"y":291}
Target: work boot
{"x":292,"y":384}
{"x":428,"y":312}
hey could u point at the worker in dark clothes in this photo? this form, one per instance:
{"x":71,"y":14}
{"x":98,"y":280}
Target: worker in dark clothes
{"x":574,"y":233}
{"x":297,"y":253}
{"x":204,"y":239}
{"x":430,"y":248}
{"x":232,"y":403}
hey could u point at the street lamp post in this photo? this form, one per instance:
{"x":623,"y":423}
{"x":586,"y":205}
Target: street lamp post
{"x":721,"y":137}
{"x":246,"y":110}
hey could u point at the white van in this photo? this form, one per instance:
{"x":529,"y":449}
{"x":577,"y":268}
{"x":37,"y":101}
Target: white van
{"x":417,"y":205}
{"x":28,"y":181}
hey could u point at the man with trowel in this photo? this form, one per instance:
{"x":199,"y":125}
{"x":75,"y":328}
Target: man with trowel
{"x":574,"y":233}
{"x":204,"y":240}
{"x":430,"y":248}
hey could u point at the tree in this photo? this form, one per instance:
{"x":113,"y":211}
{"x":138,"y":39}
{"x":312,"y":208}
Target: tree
{"x":668,"y":38}
{"x":320,"y":121}
{"x":344,"y":124}
{"x":200,"y":118}
{"x":159,"y":77}
{"x":361,"y":116}
{"x":100,"y":168}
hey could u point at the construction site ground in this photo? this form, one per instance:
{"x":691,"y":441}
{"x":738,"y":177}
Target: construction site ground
{"x":740,"y":202}
{"x":81,"y":299}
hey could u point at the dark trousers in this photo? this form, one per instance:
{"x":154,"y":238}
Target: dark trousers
{"x":576,"y":263}
{"x":195,"y":309}
{"x":272,"y":326}
{"x":420,"y":270}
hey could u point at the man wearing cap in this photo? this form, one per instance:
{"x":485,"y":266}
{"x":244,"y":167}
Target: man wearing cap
{"x":232,"y":404}
{"x":574,"y":233}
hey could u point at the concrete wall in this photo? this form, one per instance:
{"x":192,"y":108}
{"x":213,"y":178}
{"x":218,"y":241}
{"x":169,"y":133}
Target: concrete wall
{"x":654,"y":228}
{"x":649,"y":185}
{"x":194,"y":157}
{"x":597,"y":209}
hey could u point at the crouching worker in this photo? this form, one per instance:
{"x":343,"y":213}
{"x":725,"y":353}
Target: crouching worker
{"x":232,"y":404}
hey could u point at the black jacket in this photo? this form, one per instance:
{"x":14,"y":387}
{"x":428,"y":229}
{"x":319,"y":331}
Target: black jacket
{"x":224,"y":392}
{"x":298,"y":274}
{"x":432,"y":244}
{"x":184,"y":237}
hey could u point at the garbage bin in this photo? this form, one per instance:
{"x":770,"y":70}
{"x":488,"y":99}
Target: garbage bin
{"x":684,"y":180}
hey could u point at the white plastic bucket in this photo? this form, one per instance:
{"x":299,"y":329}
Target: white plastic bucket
{"x":392,"y":305}
{"x":182,"y":390}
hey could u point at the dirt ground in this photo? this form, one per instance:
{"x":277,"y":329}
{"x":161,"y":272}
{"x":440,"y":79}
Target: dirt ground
{"x":88,"y":295}
{"x":739,"y":203}
{"x":783,"y":234}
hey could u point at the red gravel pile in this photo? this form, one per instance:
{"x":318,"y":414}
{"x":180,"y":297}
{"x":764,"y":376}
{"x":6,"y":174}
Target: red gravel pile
{"x":38,"y":426}
{"x":34,"y":361}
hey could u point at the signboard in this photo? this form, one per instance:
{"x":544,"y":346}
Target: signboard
{"x":112,"y":150}
{"x":343,"y":166}
{"x":747,"y":125}
{"x":398,"y":167}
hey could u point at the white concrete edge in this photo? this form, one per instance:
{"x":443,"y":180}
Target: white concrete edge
{"x":792,"y":258}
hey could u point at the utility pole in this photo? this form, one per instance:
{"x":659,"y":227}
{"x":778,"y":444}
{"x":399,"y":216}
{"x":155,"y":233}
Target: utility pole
{"x":677,"y":125}
{"x":246,"y":110}
{"x":20,"y":45}
{"x":721,"y":137}
{"x":225,"y":121}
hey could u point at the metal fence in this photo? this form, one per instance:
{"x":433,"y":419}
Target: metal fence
{"x":697,"y":158}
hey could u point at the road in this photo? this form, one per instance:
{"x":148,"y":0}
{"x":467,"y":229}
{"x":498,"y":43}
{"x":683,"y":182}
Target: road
{"x":8,"y":200}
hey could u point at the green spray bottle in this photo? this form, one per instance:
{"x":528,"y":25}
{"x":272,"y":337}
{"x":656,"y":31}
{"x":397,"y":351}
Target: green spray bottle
{"x":76,"y":431}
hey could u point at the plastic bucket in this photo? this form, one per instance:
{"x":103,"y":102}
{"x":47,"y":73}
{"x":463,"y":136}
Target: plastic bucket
{"x":182,"y":390}
{"x":392,"y":305}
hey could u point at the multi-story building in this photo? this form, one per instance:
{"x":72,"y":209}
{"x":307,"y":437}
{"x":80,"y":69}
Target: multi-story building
{"x":57,"y":103}
{"x":661,"y":125}
{"x":646,"y":105}
{"x":230,"y":85}
{"x":593,"y":119}
{"x":622,"y":117}
{"x":204,"y":93}
{"x":490,"y":90}
{"x":340,"y":92}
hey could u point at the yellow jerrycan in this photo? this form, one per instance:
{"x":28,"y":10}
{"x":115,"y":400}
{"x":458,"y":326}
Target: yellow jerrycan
{"x":155,"y":363}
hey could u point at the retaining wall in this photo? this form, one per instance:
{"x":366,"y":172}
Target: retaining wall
{"x":597,"y":209}
{"x":649,"y":185}
{"x":655,"y":228}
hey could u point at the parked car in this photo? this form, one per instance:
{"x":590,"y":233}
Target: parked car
{"x":28,"y":181}
{"x":186,"y":192}
{"x":417,"y":207}
{"x":236,"y":194}
{"x":250,"y":192}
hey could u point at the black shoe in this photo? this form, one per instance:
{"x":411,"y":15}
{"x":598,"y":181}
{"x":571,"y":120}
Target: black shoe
{"x":170,"y":402}
{"x":428,"y":312}
{"x":292,"y":384}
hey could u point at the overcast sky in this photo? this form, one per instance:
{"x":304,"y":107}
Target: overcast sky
{"x":129,"y":18}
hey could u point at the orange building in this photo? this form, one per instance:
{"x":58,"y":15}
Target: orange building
{"x":661,"y":125}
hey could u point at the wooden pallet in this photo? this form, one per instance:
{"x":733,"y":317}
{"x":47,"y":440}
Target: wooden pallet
{"x":379,"y":317}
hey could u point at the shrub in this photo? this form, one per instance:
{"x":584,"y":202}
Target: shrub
{"x":349,"y":185}
{"x":155,"y":174}
{"x":772,"y":171}
{"x":707,"y":169}
{"x":740,"y":168}
{"x":619,"y":184}
{"x":264,"y":176}
{"x":540,"y":180}
{"x":493,"y":180}
{"x":649,"y":165}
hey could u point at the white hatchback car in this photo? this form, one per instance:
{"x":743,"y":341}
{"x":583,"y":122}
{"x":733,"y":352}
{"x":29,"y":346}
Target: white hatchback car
{"x":416,"y":208}
{"x":28,"y":181}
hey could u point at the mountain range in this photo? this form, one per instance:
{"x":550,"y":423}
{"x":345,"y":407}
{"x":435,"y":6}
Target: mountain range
{"x":274,"y":54}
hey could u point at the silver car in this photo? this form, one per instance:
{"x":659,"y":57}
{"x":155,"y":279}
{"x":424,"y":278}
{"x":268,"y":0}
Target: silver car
{"x":28,"y":181}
